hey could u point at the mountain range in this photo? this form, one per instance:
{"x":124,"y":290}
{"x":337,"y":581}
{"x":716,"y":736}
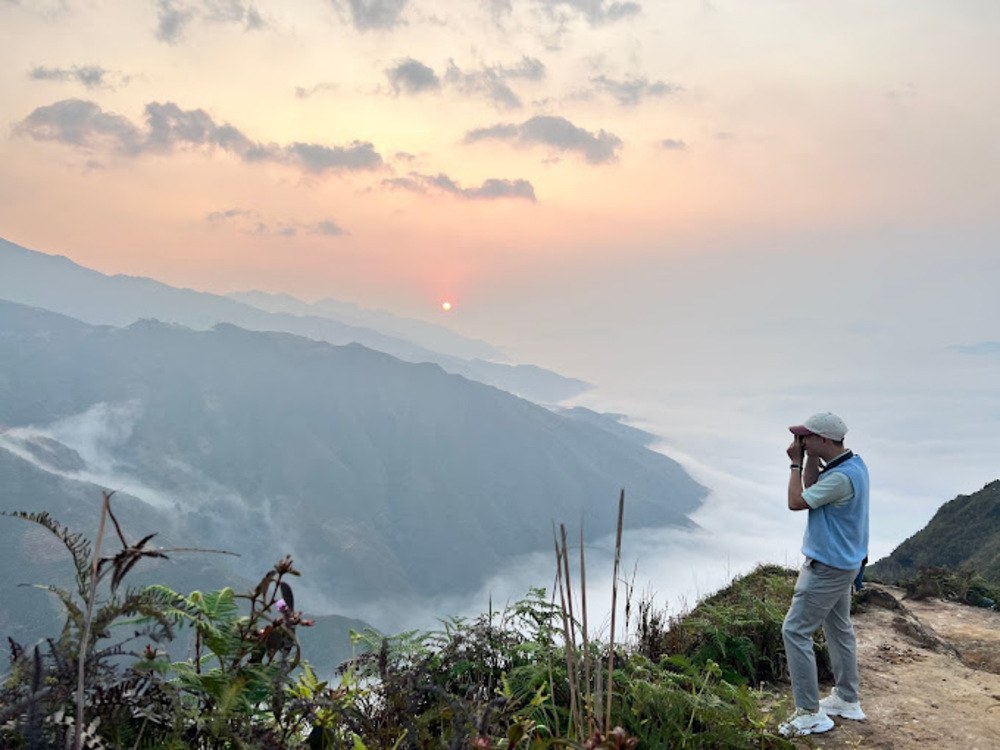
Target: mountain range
{"x":401,"y":469}
{"x":58,"y":284}
{"x":382,"y":477}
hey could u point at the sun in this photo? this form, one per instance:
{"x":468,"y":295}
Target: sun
{"x":446,"y":306}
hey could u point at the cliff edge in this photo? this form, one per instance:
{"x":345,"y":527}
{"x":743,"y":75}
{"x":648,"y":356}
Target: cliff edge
{"x":930,"y":676}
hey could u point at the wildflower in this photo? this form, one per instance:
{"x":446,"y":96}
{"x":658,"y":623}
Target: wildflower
{"x":284,"y":566}
{"x":280,"y":604}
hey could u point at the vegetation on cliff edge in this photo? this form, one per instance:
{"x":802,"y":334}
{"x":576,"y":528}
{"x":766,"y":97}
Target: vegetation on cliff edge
{"x":527,"y":676}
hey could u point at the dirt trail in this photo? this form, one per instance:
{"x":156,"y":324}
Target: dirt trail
{"x":930,"y":677}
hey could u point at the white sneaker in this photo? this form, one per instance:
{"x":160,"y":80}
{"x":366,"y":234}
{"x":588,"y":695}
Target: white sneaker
{"x":834,"y":705}
{"x":805,"y":722}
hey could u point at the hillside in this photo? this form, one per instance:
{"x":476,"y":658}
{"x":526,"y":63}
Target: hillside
{"x":929,"y":667}
{"x":964,"y":533}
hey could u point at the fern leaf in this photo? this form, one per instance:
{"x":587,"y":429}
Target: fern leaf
{"x":78,"y":545}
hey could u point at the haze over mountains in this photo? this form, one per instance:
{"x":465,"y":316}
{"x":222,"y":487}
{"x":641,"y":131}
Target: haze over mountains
{"x":430,"y":336}
{"x":56,"y":283}
{"x":381,"y":477}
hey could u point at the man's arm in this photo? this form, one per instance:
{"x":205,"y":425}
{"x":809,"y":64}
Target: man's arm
{"x":795,"y":501}
{"x":810,"y":470}
{"x":796,"y":475}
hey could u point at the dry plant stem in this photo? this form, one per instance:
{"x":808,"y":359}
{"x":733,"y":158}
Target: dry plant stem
{"x":197,"y":651}
{"x":548,"y":658}
{"x":85,"y":636}
{"x":567,"y":638}
{"x":589,"y":699}
{"x":614,"y":606}
{"x":569,"y":583}
{"x":578,"y":714}
{"x":142,"y":729}
{"x":566,"y":635}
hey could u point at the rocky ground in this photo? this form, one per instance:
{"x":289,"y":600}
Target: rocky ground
{"x":930,"y":677}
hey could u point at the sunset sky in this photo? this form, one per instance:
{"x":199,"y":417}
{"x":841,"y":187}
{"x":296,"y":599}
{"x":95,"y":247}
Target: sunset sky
{"x":398,"y":152}
{"x":726,"y":214}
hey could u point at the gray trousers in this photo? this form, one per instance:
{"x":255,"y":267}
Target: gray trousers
{"x":822,"y":597}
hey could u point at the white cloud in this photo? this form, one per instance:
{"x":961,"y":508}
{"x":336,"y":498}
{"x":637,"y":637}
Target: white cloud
{"x":175,"y":16}
{"x":491,"y":189}
{"x":631,"y":91}
{"x":556,"y":133}
{"x":84,"y":124}
{"x":411,"y":76}
{"x":89,"y":76}
{"x":367,"y":15}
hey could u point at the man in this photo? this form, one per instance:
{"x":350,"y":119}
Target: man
{"x":831,"y":483}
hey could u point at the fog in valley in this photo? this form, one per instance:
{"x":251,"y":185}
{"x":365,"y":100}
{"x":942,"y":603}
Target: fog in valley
{"x":718,"y":354}
{"x":714,"y":358}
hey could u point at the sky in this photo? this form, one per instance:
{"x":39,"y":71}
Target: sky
{"x":400,"y":152}
{"x":724,"y":215}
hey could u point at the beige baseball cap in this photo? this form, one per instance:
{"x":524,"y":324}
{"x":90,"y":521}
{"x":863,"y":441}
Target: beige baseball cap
{"x":825,"y":424}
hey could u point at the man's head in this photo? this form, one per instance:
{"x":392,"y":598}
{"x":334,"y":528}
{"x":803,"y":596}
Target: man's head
{"x":822,"y":434}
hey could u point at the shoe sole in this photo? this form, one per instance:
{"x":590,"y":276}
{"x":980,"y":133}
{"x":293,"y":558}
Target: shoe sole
{"x":817,"y":729}
{"x":859,"y":716}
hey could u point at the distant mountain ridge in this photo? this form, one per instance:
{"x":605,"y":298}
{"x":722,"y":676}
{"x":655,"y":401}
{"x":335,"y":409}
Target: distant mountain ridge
{"x":56,"y":283}
{"x":381,"y":477}
{"x":433,"y":337}
{"x":965,"y":532}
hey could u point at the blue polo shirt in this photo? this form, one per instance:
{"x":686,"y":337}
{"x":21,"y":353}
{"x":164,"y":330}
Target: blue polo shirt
{"x":837,"y":530}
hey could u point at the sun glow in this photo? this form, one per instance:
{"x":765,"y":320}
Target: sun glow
{"x":446,"y":306}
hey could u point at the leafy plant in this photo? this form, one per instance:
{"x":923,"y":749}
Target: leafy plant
{"x":105,"y":682}
{"x":530,"y":676}
{"x":79,"y":667}
{"x":235,"y":686}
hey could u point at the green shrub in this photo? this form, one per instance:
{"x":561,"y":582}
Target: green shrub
{"x":738,"y":628}
{"x":678,"y":703}
{"x":961,"y":585}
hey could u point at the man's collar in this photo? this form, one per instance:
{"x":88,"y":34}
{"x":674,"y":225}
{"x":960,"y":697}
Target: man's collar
{"x":846,"y":455}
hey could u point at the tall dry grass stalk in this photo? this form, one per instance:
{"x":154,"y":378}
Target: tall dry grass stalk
{"x":589,"y":702}
{"x":569,"y":630}
{"x":614,"y":607}
{"x":81,"y":665}
{"x":588,"y":687}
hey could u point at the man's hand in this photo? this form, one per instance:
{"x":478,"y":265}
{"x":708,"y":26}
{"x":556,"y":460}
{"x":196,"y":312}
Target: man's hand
{"x":795,"y":451}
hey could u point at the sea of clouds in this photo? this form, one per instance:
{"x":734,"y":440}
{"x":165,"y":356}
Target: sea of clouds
{"x":717,"y":354}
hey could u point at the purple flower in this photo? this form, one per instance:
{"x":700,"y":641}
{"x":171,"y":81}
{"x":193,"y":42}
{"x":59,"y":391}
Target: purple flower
{"x":280,"y":604}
